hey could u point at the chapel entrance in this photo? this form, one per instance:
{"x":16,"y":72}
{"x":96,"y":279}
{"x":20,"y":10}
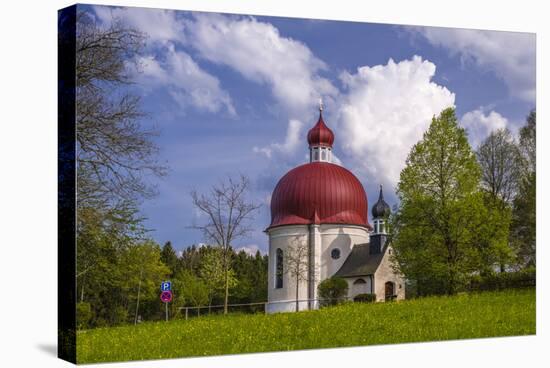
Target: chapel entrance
{"x":389,"y":291}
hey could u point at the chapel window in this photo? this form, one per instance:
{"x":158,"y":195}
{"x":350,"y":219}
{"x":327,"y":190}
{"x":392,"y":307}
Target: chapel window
{"x":279,"y":269}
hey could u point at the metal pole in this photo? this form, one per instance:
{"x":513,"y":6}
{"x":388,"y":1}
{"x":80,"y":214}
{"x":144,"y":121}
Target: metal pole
{"x":186,"y":309}
{"x":166,"y":308}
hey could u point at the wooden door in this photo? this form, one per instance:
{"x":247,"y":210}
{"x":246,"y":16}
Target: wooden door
{"x":389,"y":291}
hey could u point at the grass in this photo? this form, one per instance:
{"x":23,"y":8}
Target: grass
{"x":487,"y":314}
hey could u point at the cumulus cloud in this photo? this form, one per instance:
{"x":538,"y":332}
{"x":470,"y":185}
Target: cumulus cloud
{"x":479,"y":125}
{"x":293,"y":139}
{"x":188,"y":83}
{"x":250,"y":249}
{"x":165,"y":66}
{"x":257,"y":51}
{"x":159,"y":24}
{"x":385,"y":111}
{"x":510,"y":55}
{"x":261,"y":54}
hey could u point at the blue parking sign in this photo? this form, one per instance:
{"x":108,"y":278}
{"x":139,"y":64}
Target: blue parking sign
{"x":165,"y":286}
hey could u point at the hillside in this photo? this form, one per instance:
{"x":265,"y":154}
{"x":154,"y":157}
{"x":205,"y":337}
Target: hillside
{"x":488,"y":314}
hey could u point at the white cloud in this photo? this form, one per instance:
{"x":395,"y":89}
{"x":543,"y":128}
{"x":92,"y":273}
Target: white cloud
{"x":249,"y":249}
{"x":510,"y":55}
{"x":160,"y":25}
{"x":385,"y":112}
{"x":293,"y":140}
{"x":479,"y":125}
{"x":189,"y":84}
{"x":257,"y":51}
{"x":261,"y":54}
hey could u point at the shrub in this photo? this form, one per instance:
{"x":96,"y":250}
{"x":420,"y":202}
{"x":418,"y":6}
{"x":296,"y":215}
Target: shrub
{"x":83,"y":315}
{"x":119,"y":316}
{"x":504,"y":280}
{"x":365,"y":298}
{"x":332,"y":291}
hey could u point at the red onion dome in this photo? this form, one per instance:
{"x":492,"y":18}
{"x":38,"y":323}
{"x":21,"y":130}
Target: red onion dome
{"x":320,"y":134}
{"x":319,"y":193}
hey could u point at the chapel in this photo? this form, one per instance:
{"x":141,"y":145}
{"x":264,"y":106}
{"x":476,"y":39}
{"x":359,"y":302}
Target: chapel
{"x":323,"y":207}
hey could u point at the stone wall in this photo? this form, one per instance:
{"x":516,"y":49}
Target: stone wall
{"x":385,"y":273}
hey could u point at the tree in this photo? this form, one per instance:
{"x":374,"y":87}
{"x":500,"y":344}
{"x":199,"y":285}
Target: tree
{"x":524,"y":207}
{"x":142,"y":271}
{"x":212,"y":273}
{"x":189,"y":289}
{"x":528,"y":142}
{"x":500,"y":161}
{"x":439,"y":217}
{"x":169,"y":258}
{"x":227,"y":210}
{"x":332,"y":290}
{"x":113,"y":154}
{"x":296,"y":264}
{"x":250,"y":286}
{"x":113,"y":149}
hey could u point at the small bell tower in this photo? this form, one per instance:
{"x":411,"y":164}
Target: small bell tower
{"x":380,"y":213}
{"x":320,"y":139}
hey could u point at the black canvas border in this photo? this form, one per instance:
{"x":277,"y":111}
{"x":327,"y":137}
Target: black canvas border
{"x":66,"y":226}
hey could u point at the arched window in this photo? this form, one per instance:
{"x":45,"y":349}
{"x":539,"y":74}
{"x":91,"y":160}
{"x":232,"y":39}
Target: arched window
{"x":359,"y":281}
{"x":279,"y":268}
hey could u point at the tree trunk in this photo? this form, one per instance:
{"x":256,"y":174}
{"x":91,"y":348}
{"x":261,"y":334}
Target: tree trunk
{"x":452,"y":286}
{"x":226,"y":276}
{"x":139,"y":291}
{"x":297,"y":304}
{"x":82,"y":291}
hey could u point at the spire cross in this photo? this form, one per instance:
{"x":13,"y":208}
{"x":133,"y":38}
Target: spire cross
{"x":321,"y":104}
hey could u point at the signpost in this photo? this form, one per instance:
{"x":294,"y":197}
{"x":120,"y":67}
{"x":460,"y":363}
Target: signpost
{"x":166,"y":295}
{"x":165,"y":286}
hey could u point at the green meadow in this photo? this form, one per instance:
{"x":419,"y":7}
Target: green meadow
{"x":463,"y":316}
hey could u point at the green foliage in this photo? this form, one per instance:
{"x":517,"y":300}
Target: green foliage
{"x":141,"y":272}
{"x":365,"y":298}
{"x":189,"y":290}
{"x":524,"y":223}
{"x":491,"y":238}
{"x":504,"y":280}
{"x":332,"y":291}
{"x":212,"y":273}
{"x":442,"y":215}
{"x":251,"y":275}
{"x":463,"y":316}
{"x":169,"y":258}
{"x":83,"y":315}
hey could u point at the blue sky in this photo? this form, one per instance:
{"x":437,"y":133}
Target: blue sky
{"x":235,"y":94}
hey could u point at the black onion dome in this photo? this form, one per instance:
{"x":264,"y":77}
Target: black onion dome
{"x":381,"y":208}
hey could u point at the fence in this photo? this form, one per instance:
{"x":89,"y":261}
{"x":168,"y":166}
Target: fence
{"x":260,"y":307}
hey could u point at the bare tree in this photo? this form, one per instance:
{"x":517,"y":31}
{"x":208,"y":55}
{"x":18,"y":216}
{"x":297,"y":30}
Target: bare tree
{"x":228,"y":211}
{"x":528,"y":142}
{"x":500,"y":161}
{"x":296,"y":264}
{"x":114,"y":151}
